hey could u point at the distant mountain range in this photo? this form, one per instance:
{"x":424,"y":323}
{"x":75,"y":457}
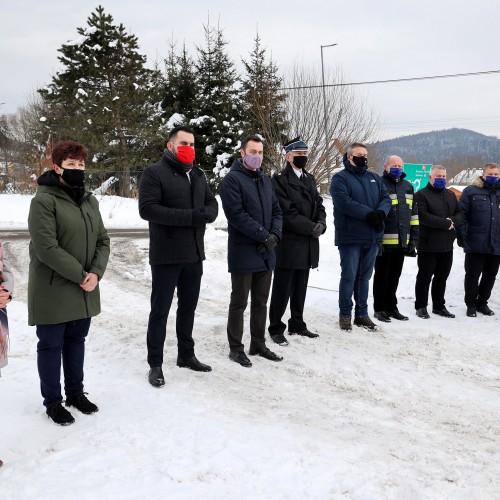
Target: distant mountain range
{"x":460,"y":146}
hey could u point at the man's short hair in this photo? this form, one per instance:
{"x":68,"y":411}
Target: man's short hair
{"x":490,"y":165}
{"x":254,"y":138}
{"x":68,"y":149}
{"x":181,"y":128}
{"x":437,"y":167}
{"x":355,"y":145}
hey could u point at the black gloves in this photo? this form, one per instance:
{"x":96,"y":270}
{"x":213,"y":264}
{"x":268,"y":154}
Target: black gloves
{"x":376,"y":219}
{"x":200,"y":216}
{"x":410,"y":250}
{"x":318,"y":230}
{"x":269,"y":244}
{"x":462,"y":241}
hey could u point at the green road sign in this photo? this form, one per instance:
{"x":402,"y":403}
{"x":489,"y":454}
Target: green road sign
{"x":417,"y":174}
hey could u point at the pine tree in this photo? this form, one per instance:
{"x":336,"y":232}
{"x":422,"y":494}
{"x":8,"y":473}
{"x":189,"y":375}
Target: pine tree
{"x":264,"y":103}
{"x":106,"y":98}
{"x":217,"y":123}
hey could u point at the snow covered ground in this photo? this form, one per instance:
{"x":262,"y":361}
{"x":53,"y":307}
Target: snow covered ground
{"x":410,"y":411}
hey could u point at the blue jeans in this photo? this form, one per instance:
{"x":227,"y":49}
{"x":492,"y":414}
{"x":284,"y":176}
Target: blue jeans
{"x":66,"y":342}
{"x":356,"y":263}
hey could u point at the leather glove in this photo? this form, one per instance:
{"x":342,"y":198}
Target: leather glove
{"x":200,"y":216}
{"x":411,"y":249}
{"x":318,"y":230}
{"x":269,"y":244}
{"x":376,"y":219}
{"x":462,"y":241}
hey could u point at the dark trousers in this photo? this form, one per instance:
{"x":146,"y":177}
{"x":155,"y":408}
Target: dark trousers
{"x":64,"y":341}
{"x":258,"y":284}
{"x":165,"y":279}
{"x":388,"y":269}
{"x":288,"y":284}
{"x":435,"y":267}
{"x":480,"y":274}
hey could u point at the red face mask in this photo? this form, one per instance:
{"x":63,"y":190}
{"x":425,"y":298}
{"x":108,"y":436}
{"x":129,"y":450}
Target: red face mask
{"x":185,"y":154}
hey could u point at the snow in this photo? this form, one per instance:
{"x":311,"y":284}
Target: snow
{"x":411,"y":411}
{"x":43,"y":119}
{"x":201,"y":119}
{"x":174,"y":120}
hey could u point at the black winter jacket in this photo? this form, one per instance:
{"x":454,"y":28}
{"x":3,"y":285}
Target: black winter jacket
{"x":301,"y":207}
{"x":435,"y":207}
{"x":166,"y":200}
{"x":252,"y":211}
{"x":401,"y":224}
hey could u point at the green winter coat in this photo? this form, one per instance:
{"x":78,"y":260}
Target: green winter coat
{"x":68,"y":241}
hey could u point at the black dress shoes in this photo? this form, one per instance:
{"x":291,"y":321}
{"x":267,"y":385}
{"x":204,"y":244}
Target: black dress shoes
{"x":193,"y":364}
{"x":443,"y":312}
{"x":155,"y":376}
{"x":305,"y":333}
{"x":240,"y":357}
{"x":484,"y":309}
{"x":471,"y":311}
{"x":279,"y":339}
{"x":265,"y":352}
{"x":382,"y":316}
{"x":422,"y":313}
{"x":397,"y":315}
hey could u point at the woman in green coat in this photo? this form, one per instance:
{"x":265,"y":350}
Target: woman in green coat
{"x":69,"y":251}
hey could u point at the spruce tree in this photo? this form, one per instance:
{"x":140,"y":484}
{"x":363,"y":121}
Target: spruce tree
{"x":106,"y":98}
{"x":217,"y":123}
{"x":180,"y":89}
{"x":264,"y":104}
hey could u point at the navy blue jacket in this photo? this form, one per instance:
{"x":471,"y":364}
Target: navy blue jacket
{"x":252,"y":211}
{"x":481,"y":226}
{"x":401,"y":224}
{"x":354,"y":196}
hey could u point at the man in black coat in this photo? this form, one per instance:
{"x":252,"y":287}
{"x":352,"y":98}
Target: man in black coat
{"x":439,"y":214}
{"x":254,"y":229}
{"x":304,"y":221}
{"x":479,"y":236}
{"x":176,"y":200}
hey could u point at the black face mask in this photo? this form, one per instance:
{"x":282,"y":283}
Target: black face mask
{"x":73,"y":177}
{"x":360,"y":161}
{"x":299,"y":161}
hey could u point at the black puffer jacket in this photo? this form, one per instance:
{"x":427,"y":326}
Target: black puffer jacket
{"x":301,"y":207}
{"x":435,"y":207}
{"x":166,"y":199}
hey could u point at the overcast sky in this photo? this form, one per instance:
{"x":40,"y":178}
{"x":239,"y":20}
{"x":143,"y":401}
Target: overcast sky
{"x":376,"y":40}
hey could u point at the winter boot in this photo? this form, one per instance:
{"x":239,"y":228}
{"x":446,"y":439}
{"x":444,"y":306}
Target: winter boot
{"x":81,"y":403}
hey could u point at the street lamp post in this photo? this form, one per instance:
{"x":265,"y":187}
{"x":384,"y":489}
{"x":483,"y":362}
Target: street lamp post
{"x":324,"y":96}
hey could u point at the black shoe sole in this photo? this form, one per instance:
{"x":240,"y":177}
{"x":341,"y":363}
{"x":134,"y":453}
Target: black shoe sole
{"x":282,"y":343}
{"x":276,"y":360}
{"x":81,"y":411}
{"x":249,"y":365}
{"x":203,"y":370}
{"x":63,"y":424}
